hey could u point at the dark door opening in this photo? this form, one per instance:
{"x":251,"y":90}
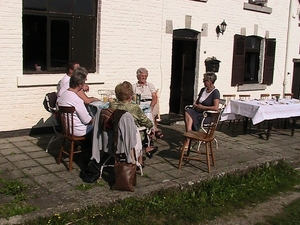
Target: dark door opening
{"x":183,"y":70}
{"x":296,"y":80}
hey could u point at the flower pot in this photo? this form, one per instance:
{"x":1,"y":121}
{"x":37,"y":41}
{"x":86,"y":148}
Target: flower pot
{"x":212,"y":65}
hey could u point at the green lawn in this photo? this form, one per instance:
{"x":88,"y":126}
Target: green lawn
{"x":188,"y":205}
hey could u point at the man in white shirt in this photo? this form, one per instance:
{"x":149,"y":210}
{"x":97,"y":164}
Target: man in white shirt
{"x":64,"y":84}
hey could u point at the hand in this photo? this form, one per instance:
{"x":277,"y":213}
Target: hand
{"x":86,"y":88}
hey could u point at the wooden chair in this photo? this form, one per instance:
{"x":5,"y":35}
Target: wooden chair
{"x":244,"y":97}
{"x":264,"y":96}
{"x":200,"y":136}
{"x":66,"y":116}
{"x":288,"y":95}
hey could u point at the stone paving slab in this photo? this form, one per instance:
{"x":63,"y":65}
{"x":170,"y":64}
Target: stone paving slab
{"x":56,"y":190}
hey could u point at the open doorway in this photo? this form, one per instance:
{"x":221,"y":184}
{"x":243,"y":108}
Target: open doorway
{"x":296,"y":79}
{"x":183,"y":69}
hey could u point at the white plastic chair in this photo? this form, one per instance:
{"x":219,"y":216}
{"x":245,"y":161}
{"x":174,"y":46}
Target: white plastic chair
{"x":50,"y":100}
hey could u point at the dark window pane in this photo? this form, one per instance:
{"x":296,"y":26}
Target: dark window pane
{"x":84,"y":42}
{"x":84,"y":7}
{"x":64,"y":6}
{"x":60,"y":37}
{"x":253,"y":43}
{"x":251,"y":67}
{"x":34,"y":42}
{"x":39,"y":5}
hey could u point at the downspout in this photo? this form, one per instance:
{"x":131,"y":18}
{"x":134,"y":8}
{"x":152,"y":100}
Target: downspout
{"x":287,"y":48}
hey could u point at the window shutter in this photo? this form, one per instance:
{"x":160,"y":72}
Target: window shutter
{"x":269,"y":61}
{"x":238,"y":62}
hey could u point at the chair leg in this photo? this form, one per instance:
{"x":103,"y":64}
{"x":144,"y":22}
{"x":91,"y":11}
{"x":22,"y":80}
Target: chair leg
{"x":54,"y":138}
{"x":212,"y":154}
{"x":182,"y":153}
{"x":104,"y":165}
{"x":61,"y":152}
{"x":71,"y":154}
{"x":207,"y":157}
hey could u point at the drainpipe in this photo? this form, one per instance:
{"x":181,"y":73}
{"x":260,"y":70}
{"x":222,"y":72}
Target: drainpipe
{"x":287,"y":49}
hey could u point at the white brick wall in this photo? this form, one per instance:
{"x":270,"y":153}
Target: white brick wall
{"x":132,"y":34}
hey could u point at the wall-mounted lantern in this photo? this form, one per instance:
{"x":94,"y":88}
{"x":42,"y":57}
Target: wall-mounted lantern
{"x":221,"y":28}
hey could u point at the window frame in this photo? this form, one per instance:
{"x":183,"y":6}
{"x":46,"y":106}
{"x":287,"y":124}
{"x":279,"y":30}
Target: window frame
{"x":266,"y":65}
{"x":87,"y":39}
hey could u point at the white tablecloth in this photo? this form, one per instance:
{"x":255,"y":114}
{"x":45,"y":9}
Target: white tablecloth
{"x":260,"y":110}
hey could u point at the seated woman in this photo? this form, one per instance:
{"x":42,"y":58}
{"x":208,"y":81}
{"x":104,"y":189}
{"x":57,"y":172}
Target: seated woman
{"x":124,"y":94}
{"x":82,"y":119}
{"x":208,"y":99}
{"x":148,"y":95}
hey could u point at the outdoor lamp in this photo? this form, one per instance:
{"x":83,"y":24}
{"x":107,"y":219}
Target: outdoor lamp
{"x":221,"y":28}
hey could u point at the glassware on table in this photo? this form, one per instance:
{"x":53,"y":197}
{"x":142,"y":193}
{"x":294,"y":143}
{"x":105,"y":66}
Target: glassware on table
{"x":103,"y":95}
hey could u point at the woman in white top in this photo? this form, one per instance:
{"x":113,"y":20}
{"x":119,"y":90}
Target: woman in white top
{"x":82,"y":120}
{"x":148,"y":95}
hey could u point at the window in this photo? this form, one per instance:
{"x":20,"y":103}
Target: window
{"x":251,"y":62}
{"x":55,"y":32}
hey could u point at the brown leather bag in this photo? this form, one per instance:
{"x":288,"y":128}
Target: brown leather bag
{"x":125,"y":176}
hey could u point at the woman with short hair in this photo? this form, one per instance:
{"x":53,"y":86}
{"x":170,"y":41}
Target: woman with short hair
{"x":208,"y":99}
{"x":82,"y":119}
{"x":124,"y":94}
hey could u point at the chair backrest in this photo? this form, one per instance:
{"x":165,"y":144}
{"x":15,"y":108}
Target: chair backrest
{"x":275,"y":96}
{"x":212,"y":126}
{"x":228,"y":98}
{"x":222,"y":103}
{"x":66,"y":116}
{"x":264,"y":96}
{"x":244,"y":97}
{"x":288,"y":95}
{"x":50,"y":102}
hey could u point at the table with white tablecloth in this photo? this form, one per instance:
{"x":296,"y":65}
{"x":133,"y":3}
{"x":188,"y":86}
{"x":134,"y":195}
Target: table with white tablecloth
{"x":262,"y":110}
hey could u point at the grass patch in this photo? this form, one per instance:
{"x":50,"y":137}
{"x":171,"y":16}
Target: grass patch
{"x":289,"y":216}
{"x":15,"y":192}
{"x":190,"y":205}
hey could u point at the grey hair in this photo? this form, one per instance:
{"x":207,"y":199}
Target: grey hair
{"x":140,"y":71}
{"x":210,"y":76}
{"x":78,"y":77}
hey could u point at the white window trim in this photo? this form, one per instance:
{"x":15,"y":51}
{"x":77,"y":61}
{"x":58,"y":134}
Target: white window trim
{"x":257,"y":8}
{"x":34,"y":80}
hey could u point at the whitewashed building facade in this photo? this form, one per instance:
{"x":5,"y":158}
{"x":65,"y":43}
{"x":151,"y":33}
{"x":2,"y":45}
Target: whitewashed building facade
{"x":258,"y":51}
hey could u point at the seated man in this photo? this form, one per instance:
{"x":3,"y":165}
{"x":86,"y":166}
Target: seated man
{"x":124,"y":93}
{"x":65,"y":81}
{"x":148,"y":95}
{"x":82,"y":120}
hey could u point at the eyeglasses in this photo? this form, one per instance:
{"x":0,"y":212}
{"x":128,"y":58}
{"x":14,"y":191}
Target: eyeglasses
{"x":205,"y":80}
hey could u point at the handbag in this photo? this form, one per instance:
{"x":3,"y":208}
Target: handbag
{"x":125,"y":176}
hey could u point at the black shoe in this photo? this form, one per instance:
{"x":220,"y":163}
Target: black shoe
{"x":150,"y":153}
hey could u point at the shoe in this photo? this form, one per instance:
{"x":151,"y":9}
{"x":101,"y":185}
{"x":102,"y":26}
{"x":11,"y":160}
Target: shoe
{"x":138,"y":168}
{"x":159,"y":134}
{"x":149,"y":154}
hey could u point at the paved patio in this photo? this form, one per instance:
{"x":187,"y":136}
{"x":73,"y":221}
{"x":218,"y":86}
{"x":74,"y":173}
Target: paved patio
{"x":54,"y":188}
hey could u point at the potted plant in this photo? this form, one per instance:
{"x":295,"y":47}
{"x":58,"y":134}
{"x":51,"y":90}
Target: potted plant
{"x":212,"y":64}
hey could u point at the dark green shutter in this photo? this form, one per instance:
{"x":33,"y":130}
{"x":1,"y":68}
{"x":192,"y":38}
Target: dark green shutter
{"x":238,"y":62}
{"x":269,"y":61}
